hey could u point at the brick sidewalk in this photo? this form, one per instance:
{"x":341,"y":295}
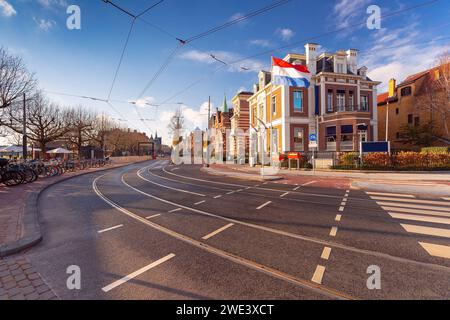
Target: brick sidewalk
{"x":20,"y":281}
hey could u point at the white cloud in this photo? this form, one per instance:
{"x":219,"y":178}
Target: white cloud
{"x":45,"y":25}
{"x":227,"y":57}
{"x":260,"y":43}
{"x":285,"y":33}
{"x":345,"y":11}
{"x":50,"y":3}
{"x":142,"y":103}
{"x":398,"y":53}
{"x":7,"y":9}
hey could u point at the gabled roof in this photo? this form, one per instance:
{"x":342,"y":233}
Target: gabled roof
{"x":382,"y":97}
{"x":414,"y":77}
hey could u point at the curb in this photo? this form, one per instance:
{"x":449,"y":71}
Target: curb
{"x":242,"y":176}
{"x":31,"y":227}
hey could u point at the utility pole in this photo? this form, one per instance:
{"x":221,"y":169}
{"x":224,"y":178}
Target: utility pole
{"x":387,"y":120}
{"x":24,"y":119}
{"x":209,"y":111}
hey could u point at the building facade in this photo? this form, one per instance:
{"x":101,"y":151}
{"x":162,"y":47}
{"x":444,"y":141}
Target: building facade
{"x":339,"y":106}
{"x":416,"y":102}
{"x":240,"y":123}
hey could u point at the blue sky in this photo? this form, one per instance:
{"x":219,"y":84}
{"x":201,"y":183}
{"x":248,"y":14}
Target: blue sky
{"x":83,"y":62}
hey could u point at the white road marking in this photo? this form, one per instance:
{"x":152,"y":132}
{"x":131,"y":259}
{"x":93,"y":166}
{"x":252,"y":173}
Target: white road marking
{"x":231,"y":192}
{"x":308,"y":183}
{"x":414,"y":206}
{"x":174,"y":169}
{"x":175,"y":210}
{"x":448,"y":199}
{"x":296,"y":188}
{"x":438,"y":232}
{"x":391,"y":194}
{"x":346,"y":195}
{"x":200,"y":202}
{"x":217,"y":197}
{"x":338,"y":217}
{"x":333,"y":231}
{"x":414,"y":217}
{"x":112,"y":228}
{"x":284,"y":194}
{"x":341,"y":208}
{"x":344,"y":200}
{"x":240,"y":190}
{"x":326,"y":253}
{"x":263,"y":205}
{"x":436,"y":250}
{"x":247,"y":188}
{"x":265,"y":183}
{"x":438,"y":203}
{"x":167,"y":187}
{"x":407,"y":210}
{"x":241,"y":261}
{"x":137,"y":273}
{"x":343,"y":203}
{"x":153,"y":216}
{"x":347,"y":191}
{"x":318,"y":274}
{"x":212,"y":234}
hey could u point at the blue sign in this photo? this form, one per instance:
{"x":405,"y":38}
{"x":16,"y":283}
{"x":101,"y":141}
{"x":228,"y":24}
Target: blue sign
{"x":312,"y":137}
{"x":381,"y":146}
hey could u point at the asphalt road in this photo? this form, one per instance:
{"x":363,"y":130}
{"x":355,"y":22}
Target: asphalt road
{"x":157,"y":231}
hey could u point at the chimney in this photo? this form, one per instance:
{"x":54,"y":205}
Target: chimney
{"x":352,"y":60}
{"x":392,"y":87}
{"x":311,"y":55}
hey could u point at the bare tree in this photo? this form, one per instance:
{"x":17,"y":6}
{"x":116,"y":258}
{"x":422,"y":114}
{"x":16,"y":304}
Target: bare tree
{"x":176,"y":126}
{"x":81,"y":124}
{"x":435,"y":96}
{"x":45,"y":121}
{"x":15,"y":80}
{"x":100,"y":129}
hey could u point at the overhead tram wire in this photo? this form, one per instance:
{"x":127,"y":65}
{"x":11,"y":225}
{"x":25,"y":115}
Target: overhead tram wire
{"x":296,"y":43}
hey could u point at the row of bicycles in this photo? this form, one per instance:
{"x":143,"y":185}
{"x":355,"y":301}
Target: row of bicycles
{"x":14,"y":172}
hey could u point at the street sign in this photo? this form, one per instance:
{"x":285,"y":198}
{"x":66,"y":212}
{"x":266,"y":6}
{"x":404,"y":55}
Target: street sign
{"x":312,"y":137}
{"x":312,"y":144}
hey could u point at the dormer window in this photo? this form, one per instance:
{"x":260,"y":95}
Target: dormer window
{"x":406,"y":91}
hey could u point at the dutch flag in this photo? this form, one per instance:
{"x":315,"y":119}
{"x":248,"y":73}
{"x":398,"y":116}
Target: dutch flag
{"x":286,"y":74}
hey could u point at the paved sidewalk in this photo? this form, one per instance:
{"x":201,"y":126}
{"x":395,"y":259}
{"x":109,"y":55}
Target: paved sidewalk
{"x":19,"y":281}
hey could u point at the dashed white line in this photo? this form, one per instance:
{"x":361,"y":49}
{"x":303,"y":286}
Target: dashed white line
{"x":447,"y":199}
{"x":296,"y":188}
{"x":326,"y":253}
{"x":212,"y":234}
{"x":438,"y":203}
{"x":153,"y":216}
{"x":308,"y":183}
{"x":200,"y":202}
{"x":343,"y":203}
{"x":217,"y":197}
{"x":263,"y":205}
{"x":341,"y":208}
{"x":413,"y":206}
{"x":318,"y":274}
{"x":137,"y":273}
{"x":408,"y":210}
{"x":284,"y":194}
{"x":175,"y":210}
{"x":109,"y":229}
{"x":240,"y":190}
{"x":338,"y":217}
{"x":333,"y":231}
{"x":231,"y":192}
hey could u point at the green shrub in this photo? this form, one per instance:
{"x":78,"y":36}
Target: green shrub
{"x":348,"y":158}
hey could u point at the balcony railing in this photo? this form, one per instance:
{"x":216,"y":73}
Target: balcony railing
{"x":354,"y":108}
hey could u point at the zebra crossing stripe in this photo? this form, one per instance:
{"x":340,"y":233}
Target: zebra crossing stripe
{"x":414,"y":217}
{"x":438,"y":203}
{"x":426,"y":212}
{"x":436,"y":250}
{"x":390,"y":194}
{"x":438,"y":232}
{"x":413,"y":206}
